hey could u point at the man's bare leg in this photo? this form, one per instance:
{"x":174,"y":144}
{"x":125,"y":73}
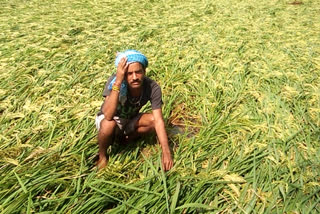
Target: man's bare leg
{"x":145,"y":125}
{"x":105,"y":135}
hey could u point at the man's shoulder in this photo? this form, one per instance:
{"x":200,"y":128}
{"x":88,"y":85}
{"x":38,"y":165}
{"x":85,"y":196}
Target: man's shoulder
{"x":151,"y":88}
{"x":150,"y":82}
{"x":111,"y":77}
{"x":153,"y":93}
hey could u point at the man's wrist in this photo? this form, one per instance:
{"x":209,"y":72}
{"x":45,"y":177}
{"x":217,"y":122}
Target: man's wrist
{"x":166,"y":151}
{"x":116,"y":83}
{"x":116,"y":88}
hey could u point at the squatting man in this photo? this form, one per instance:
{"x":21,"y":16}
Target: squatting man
{"x":125,"y":93}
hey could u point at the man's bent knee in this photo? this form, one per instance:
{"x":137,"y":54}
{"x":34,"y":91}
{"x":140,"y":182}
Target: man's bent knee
{"x":107,"y":126}
{"x":151,"y":121}
{"x":146,"y":120}
{"x":146,"y":124}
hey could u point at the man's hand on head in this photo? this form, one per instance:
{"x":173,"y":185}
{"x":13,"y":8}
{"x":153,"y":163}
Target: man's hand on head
{"x":121,"y":70}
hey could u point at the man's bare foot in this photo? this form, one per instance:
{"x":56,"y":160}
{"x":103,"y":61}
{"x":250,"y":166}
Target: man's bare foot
{"x":102,"y":163}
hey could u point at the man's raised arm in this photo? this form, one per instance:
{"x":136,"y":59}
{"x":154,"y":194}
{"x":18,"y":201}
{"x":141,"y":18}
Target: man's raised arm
{"x":110,"y":104}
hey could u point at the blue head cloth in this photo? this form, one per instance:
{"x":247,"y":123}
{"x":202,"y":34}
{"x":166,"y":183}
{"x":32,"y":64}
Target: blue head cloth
{"x":132,"y":56}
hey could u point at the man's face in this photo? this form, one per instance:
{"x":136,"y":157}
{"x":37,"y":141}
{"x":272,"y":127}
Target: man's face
{"x":135,"y":75}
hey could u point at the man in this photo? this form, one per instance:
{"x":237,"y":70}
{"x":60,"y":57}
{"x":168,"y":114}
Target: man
{"x":125,"y":93}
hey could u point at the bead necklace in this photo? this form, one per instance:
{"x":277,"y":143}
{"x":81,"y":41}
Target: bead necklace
{"x":135,"y":101}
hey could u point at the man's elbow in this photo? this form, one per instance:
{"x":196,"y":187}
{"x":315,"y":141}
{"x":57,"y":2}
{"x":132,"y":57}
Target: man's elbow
{"x":108,"y":117}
